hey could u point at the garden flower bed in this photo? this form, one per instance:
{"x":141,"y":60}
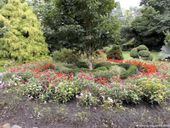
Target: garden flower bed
{"x":41,"y":81}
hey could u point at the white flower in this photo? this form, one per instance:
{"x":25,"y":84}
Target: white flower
{"x":110,"y":99}
{"x":81,"y":94}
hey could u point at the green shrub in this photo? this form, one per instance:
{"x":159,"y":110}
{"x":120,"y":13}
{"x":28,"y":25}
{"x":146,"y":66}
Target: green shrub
{"x":86,"y":98}
{"x":101,"y":69}
{"x":117,"y":70}
{"x":63,"y":92}
{"x":142,"y":47}
{"x":124,"y":65}
{"x":115,"y":53}
{"x":66,"y":91}
{"x":81,"y":64}
{"x":66,"y":56}
{"x":131,"y":94}
{"x":144,"y":53}
{"x":103,"y":64}
{"x":153,"y":89}
{"x":132,"y":70}
{"x":141,"y":52}
{"x":134,"y":53}
{"x":105,"y":74}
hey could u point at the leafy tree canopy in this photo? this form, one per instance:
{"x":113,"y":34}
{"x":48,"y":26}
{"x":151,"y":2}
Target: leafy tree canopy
{"x":149,"y":28}
{"x":84,"y":25}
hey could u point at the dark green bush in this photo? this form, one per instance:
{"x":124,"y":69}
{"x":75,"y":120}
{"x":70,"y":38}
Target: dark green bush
{"x":66,"y":56}
{"x":124,"y":65}
{"x":132,"y":70}
{"x":81,"y":64}
{"x":134,"y":53}
{"x":144,"y":53}
{"x":142,"y":47}
{"x":115,"y":53}
{"x":150,"y":57}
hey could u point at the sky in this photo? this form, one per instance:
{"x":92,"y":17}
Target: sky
{"x":126,"y":4}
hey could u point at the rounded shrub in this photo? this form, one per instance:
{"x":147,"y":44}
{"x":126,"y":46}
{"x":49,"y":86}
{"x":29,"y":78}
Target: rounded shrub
{"x":141,"y":52}
{"x":144,"y":53}
{"x":66,"y":56}
{"x":132,"y":70}
{"x":134,"y":53}
{"x":142,"y":47}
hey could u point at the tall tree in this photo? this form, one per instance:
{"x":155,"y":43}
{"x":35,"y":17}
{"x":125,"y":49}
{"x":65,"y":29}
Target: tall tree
{"x":149,"y":28}
{"x":21,"y":36}
{"x":83,"y":25}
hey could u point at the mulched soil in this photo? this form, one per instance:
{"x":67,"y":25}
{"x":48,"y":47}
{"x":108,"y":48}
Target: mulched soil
{"x":18,"y":110}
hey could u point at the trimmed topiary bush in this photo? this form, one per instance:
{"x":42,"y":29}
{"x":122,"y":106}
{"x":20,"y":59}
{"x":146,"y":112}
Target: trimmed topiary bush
{"x":141,"y":52}
{"x":134,"y":53}
{"x":21,"y":37}
{"x":144,"y":53}
{"x":115,"y":53}
{"x":142,"y":47}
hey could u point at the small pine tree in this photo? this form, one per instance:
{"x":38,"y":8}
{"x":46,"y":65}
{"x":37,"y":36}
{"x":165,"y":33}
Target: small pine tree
{"x":21,"y":38}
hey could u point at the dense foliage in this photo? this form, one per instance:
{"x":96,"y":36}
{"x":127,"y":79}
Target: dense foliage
{"x":40,"y":81}
{"x":149,"y":28}
{"x":115,"y":53}
{"x":86,"y":25}
{"x":141,"y":52}
{"x":21,"y":38}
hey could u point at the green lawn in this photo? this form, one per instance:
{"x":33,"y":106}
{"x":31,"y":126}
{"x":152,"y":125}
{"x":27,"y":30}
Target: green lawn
{"x":126,"y":55}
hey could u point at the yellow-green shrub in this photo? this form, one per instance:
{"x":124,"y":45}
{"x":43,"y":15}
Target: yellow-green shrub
{"x":21,"y":37}
{"x":153,"y":89}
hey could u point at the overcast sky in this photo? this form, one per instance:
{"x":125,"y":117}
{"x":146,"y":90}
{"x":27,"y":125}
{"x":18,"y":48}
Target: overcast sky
{"x":126,"y":4}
